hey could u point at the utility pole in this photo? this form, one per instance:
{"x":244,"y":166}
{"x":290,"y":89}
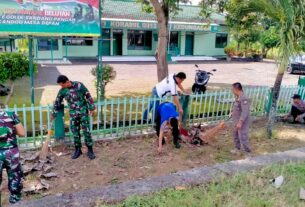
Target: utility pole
{"x":30,"y":44}
{"x":100,"y":87}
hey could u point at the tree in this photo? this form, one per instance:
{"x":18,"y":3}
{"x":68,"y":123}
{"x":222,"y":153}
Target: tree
{"x":289,"y":16}
{"x":208,"y":7}
{"x":243,"y":26}
{"x":14,"y":66}
{"x":270,"y":39}
{"x":162,"y":10}
{"x":302,"y":45}
{"x":109,"y":74}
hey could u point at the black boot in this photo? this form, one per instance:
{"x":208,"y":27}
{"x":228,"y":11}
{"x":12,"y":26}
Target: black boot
{"x":176,"y":142}
{"x":163,"y":141}
{"x":177,"y":145}
{"x":90,"y":153}
{"x":77,"y":153}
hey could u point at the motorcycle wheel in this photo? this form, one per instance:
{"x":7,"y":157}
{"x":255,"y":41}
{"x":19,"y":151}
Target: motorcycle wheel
{"x":198,"y":89}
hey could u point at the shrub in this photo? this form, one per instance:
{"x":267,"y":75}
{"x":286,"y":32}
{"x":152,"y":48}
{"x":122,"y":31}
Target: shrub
{"x":229,"y":51}
{"x":109,"y":74}
{"x":14,"y":66}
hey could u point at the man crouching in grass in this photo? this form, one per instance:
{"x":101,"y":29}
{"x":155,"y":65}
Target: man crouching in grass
{"x":167,"y":117}
{"x":297,"y":112}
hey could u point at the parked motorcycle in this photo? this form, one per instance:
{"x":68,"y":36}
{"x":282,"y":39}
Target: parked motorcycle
{"x":4,"y":91}
{"x":201,"y":80}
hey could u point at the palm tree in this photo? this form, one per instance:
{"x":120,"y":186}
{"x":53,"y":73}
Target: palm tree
{"x":289,"y":15}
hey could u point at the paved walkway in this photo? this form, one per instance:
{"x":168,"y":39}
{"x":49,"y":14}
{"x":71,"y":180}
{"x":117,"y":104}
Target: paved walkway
{"x":203,"y":175}
{"x":116,"y":59}
{"x":139,"y":78}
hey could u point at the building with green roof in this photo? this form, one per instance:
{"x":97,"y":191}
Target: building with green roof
{"x":129,"y":31}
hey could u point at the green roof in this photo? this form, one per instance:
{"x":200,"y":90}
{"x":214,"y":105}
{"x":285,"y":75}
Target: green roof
{"x":129,"y":9}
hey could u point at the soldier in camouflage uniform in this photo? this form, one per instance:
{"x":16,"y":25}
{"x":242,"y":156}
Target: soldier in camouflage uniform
{"x":241,"y":121}
{"x":10,"y":126}
{"x":81,"y":105}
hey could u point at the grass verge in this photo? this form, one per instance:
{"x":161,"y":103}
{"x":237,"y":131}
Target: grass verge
{"x":251,"y":189}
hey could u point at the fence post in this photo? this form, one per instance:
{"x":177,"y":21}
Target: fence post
{"x":269,"y":103}
{"x":184,"y":102}
{"x":31,"y":67}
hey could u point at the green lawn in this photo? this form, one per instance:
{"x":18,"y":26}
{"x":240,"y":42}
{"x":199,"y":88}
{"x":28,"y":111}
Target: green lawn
{"x":22,"y":93}
{"x":244,"y":190}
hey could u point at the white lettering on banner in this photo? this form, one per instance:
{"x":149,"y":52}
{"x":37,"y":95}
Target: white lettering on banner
{"x":125,"y":24}
{"x":55,"y":13}
{"x":28,"y":22}
{"x":12,"y":22}
{"x":11,"y":17}
{"x":147,"y":25}
{"x":153,"y":26}
{"x":190,"y":27}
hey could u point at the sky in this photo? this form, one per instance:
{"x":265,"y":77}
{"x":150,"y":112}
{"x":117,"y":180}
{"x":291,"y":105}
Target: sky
{"x":194,"y":2}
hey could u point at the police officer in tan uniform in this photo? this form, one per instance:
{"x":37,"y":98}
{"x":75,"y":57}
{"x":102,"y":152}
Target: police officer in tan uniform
{"x":241,"y":120}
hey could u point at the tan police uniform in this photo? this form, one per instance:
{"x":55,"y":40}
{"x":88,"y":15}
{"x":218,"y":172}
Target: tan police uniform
{"x":241,"y":113}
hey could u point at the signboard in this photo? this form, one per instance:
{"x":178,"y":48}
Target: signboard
{"x":50,"y":17}
{"x":153,"y":26}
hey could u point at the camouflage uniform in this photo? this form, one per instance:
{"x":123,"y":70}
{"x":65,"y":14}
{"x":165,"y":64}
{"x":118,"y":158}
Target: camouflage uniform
{"x":241,"y":113}
{"x":9,"y":154}
{"x":80,"y":103}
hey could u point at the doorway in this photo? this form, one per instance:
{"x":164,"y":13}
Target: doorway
{"x":189,"y":43}
{"x":174,"y":43}
{"x":106,"y":42}
{"x":117,"y":42}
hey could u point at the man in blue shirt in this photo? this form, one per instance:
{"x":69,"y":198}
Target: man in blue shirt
{"x":167,"y":116}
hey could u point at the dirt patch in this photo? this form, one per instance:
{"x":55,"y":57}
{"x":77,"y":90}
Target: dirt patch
{"x":136,"y":158}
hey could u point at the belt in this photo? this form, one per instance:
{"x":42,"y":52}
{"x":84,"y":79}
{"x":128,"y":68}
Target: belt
{"x":7,"y":148}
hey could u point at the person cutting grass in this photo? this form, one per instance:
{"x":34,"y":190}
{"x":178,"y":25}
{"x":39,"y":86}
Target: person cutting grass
{"x":167,"y":87}
{"x":167,"y":118}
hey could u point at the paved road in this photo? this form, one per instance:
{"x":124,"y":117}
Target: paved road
{"x":140,"y":78}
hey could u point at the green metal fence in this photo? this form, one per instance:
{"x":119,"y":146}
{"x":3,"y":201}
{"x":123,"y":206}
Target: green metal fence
{"x":122,"y":117}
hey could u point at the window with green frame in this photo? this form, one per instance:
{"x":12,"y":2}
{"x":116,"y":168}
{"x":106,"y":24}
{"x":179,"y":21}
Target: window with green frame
{"x":47,"y":44}
{"x":221,"y":40}
{"x":139,"y":40}
{"x":77,"y":41}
